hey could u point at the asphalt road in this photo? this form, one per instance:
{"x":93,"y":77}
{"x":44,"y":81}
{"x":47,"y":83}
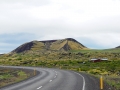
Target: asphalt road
{"x":55,"y":79}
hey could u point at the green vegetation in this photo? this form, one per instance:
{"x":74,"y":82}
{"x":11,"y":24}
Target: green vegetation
{"x":9,"y":76}
{"x":77,"y":60}
{"x":113,"y":80}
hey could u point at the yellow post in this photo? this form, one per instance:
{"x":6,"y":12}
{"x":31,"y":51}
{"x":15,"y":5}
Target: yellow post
{"x":101,"y":83}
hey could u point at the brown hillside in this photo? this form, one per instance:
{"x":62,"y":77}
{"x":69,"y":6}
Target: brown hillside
{"x":50,"y":45}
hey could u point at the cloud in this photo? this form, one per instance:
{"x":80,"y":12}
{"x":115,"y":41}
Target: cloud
{"x":100,"y":41}
{"x":85,"y":20}
{"x":9,"y":42}
{"x":26,"y":2}
{"x":5,"y":47}
{"x":66,"y":14}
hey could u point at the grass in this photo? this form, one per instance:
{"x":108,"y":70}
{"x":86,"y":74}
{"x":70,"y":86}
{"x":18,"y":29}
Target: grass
{"x":77,"y":60}
{"x":9,"y":76}
{"x":114,"y":81}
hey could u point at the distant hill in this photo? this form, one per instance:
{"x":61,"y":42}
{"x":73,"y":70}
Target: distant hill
{"x":50,"y":45}
{"x":1,"y":54}
{"x":118,"y":47}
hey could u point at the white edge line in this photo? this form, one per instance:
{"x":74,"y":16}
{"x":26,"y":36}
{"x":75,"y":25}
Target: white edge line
{"x":50,"y":81}
{"x":83,"y":80}
{"x":39,"y":87}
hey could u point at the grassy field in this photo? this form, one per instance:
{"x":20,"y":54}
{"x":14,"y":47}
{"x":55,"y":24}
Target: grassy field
{"x":10,"y":76}
{"x":77,"y":60}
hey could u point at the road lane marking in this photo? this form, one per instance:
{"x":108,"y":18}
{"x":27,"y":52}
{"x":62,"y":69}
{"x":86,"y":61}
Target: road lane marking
{"x":55,"y":72}
{"x":39,"y":87}
{"x":50,"y":81}
{"x":83,"y":88}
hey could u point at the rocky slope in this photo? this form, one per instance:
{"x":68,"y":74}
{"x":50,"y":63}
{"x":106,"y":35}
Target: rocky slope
{"x":50,"y":45}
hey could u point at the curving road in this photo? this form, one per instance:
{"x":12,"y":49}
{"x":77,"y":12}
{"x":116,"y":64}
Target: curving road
{"x":55,"y":79}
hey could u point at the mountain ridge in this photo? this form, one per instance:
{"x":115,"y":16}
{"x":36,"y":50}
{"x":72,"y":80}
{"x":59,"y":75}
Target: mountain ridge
{"x":50,"y":45}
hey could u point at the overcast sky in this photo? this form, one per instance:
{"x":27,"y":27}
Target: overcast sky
{"x":94,"y":23}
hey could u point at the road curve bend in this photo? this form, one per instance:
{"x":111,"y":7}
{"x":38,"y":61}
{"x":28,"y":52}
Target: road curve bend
{"x":54,"y":79}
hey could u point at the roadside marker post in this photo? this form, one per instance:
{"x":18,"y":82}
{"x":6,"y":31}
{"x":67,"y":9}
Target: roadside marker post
{"x":101,"y":83}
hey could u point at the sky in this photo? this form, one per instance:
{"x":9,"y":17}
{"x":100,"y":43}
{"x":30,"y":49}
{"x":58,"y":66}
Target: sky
{"x":94,"y":23}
